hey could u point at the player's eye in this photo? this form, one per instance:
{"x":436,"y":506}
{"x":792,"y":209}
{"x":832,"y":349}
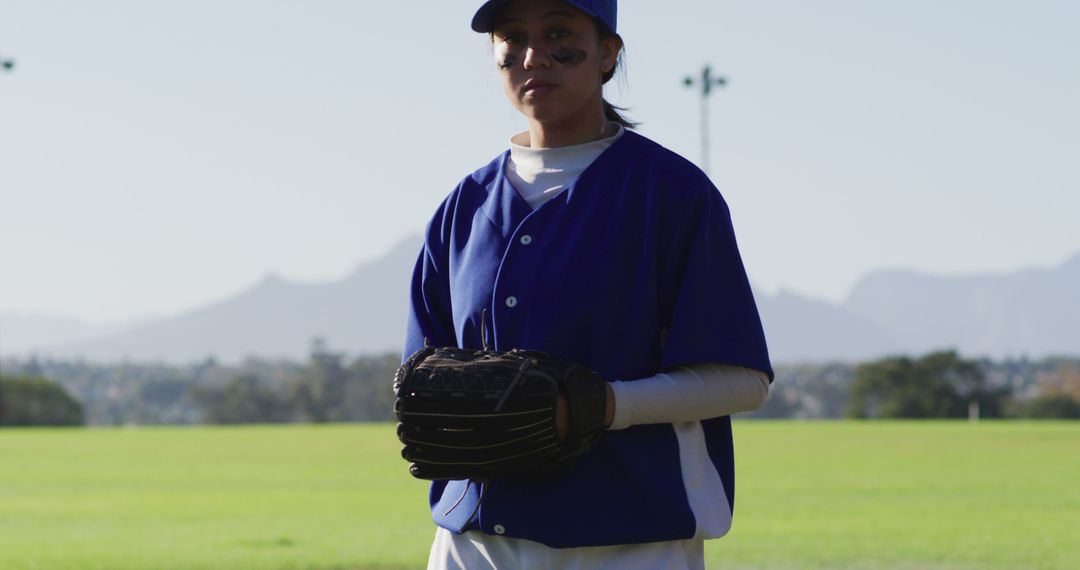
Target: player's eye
{"x":558,"y":34}
{"x":510,"y":38}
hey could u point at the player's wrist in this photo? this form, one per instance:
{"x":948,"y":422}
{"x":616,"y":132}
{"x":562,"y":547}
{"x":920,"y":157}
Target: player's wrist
{"x":609,"y":405}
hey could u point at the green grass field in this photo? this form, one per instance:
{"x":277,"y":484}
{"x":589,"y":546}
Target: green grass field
{"x":931,"y":495}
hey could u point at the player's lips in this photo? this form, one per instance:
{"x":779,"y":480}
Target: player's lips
{"x":537,"y":86}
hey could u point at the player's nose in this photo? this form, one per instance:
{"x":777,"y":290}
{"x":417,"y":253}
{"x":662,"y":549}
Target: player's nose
{"x":536,"y":57}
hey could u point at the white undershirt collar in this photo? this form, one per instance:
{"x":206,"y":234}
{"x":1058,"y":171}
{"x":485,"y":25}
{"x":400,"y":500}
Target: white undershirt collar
{"x":538,"y":174}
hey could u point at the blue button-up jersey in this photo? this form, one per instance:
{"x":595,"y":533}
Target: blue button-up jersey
{"x":631,"y":270}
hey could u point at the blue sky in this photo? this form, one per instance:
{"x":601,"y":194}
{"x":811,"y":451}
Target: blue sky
{"x":156,"y":156}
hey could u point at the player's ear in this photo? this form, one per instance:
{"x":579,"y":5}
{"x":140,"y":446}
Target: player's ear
{"x":610,"y":47}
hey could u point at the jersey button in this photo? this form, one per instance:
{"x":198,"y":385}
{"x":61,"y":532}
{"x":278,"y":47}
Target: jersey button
{"x":500,"y":529}
{"x":526,"y":239}
{"x":511,"y":301}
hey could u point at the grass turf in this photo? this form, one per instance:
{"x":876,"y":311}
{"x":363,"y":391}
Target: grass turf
{"x":812,"y":495}
{"x":927,"y":495}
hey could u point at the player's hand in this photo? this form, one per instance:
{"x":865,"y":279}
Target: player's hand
{"x":561,"y":413}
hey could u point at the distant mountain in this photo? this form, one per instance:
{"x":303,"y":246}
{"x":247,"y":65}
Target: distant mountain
{"x":363,"y":312}
{"x":24,"y":333}
{"x":801,"y":329}
{"x":1033,"y":312}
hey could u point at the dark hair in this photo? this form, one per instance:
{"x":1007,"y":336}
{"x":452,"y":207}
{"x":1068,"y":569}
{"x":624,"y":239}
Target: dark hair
{"x":612,"y":112}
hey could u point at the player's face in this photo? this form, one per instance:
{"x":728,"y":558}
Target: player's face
{"x":551,"y":59}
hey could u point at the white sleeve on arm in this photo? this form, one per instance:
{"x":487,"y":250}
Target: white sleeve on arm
{"x":689,"y":393}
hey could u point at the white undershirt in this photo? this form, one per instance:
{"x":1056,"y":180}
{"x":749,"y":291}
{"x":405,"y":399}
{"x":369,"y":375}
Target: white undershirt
{"x":688,"y":393}
{"x":539,"y":174}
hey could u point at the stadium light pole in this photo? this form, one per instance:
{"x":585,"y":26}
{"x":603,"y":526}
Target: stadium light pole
{"x":706,"y":81}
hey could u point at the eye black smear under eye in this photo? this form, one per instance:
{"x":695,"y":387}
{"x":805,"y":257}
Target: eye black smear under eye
{"x":570,"y":57}
{"x":509,"y":61}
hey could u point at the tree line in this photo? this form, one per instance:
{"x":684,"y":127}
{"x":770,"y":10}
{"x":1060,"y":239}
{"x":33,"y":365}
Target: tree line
{"x":35,"y":401}
{"x":331,"y":387}
{"x":325,"y":389}
{"x":940,"y":384}
{"x":328,"y":387}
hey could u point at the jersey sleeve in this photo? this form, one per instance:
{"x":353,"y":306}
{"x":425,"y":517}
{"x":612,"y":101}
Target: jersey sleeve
{"x":430,"y":317}
{"x":712,"y":314}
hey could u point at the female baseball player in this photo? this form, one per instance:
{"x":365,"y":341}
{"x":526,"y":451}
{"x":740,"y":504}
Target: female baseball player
{"x":596,"y":245}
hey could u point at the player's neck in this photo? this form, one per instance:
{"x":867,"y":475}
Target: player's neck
{"x":571,"y":131}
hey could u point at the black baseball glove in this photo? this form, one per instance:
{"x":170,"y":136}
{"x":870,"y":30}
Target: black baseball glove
{"x":470,"y":414}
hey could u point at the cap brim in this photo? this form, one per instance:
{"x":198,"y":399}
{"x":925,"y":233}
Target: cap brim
{"x":484,"y":20}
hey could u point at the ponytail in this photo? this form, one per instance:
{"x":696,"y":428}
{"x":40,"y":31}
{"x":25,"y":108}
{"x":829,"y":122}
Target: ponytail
{"x":611,"y":112}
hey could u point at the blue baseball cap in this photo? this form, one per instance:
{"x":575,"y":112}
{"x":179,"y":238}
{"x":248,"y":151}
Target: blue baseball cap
{"x":604,"y":10}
